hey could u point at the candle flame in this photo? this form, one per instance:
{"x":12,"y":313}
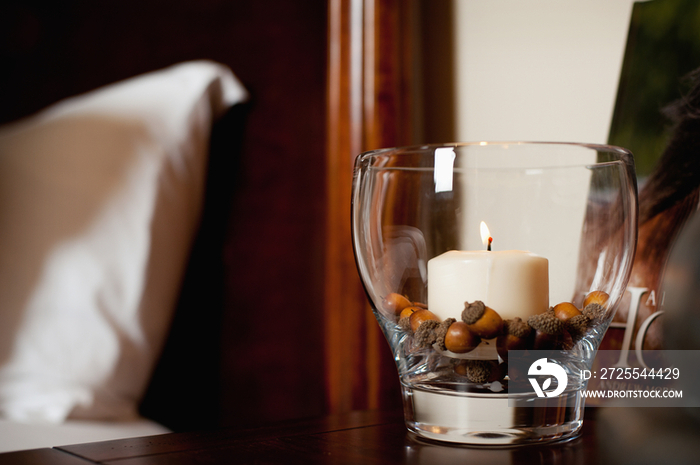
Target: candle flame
{"x":485,"y":234}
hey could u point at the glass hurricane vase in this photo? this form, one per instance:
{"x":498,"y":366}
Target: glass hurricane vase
{"x":465,"y":250}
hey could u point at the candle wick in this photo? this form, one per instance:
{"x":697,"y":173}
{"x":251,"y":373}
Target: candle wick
{"x":488,"y":247}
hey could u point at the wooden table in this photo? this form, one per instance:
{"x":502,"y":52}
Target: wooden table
{"x":356,"y":438}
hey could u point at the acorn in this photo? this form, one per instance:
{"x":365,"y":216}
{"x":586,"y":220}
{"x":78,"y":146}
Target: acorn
{"x":441,"y":331}
{"x":461,"y":367}
{"x":479,"y":371}
{"x":549,"y":331}
{"x":498,"y":373}
{"x":595,"y":312}
{"x":405,"y":318}
{"x":516,"y":336}
{"x":394,"y":303}
{"x":420,"y":305}
{"x":565,"y":310}
{"x":425,"y":336}
{"x":518,"y":378}
{"x":481,"y":320}
{"x":419,"y":316}
{"x":596,"y":297}
{"x":406,"y":312}
{"x":458,"y":338}
{"x":577,"y":326}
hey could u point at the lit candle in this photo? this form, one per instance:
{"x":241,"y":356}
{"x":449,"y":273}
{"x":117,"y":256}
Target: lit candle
{"x":515,"y":283}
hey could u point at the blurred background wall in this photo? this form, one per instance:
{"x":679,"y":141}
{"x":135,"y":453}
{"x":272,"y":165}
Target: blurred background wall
{"x":537,"y":70}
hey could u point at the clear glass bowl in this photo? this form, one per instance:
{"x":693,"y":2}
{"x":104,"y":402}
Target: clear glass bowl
{"x":562,"y":218}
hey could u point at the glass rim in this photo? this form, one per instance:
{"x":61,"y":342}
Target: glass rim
{"x":624,"y":153}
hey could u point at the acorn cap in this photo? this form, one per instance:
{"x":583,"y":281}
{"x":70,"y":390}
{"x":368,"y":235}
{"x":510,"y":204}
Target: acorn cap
{"x":473,"y":311}
{"x":441,"y":331}
{"x":547,"y":323}
{"x":594,"y":311}
{"x":425,"y":335}
{"x":517,"y":327}
{"x":478,"y":371}
{"x":405,"y":324}
{"x":577,"y":326}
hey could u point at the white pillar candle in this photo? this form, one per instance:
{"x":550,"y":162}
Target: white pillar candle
{"x":514,"y":283}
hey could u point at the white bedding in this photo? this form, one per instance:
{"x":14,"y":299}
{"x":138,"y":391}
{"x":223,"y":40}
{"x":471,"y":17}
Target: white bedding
{"x":100,"y":199}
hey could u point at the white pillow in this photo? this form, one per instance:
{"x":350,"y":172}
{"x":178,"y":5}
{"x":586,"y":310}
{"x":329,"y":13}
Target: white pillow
{"x":100,"y":197}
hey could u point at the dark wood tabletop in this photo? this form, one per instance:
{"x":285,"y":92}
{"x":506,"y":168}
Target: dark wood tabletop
{"x":355,"y":438}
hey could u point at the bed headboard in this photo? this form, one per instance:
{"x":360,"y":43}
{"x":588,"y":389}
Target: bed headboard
{"x":254,"y":282}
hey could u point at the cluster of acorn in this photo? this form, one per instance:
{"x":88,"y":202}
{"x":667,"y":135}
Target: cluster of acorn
{"x":557,"y":328}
